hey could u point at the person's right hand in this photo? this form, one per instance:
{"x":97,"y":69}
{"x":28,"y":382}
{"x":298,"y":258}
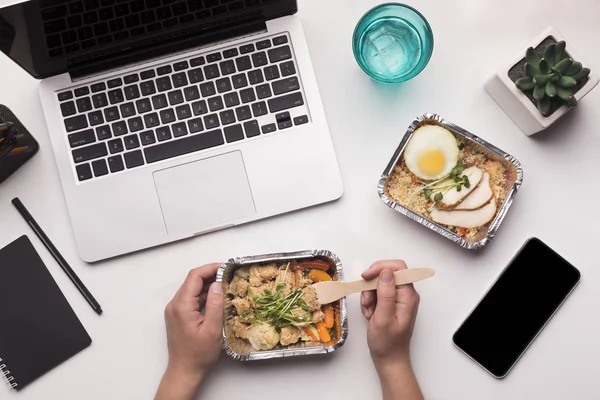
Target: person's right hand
{"x":391,"y":312}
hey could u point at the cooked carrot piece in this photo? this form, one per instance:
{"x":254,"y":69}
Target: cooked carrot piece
{"x":312,"y":335}
{"x":317,"y":275}
{"x":329,"y":317}
{"x":323,"y":332}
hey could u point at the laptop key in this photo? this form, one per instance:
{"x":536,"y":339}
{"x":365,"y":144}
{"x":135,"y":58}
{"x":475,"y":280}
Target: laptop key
{"x":195,"y":75}
{"x":207,"y":89}
{"x":148,"y":88}
{"x":239,"y":81}
{"x":247,"y":95}
{"x":213,"y":57}
{"x":134,"y":159}
{"x":163,"y":133}
{"x":268,"y":128}
{"x":186,"y":145}
{"x":131,"y":92}
{"x":151,"y":120}
{"x":76,"y":123}
{"x":148,"y":74}
{"x":191,"y":93}
{"x":103,"y":132}
{"x":259,"y":59}
{"x":115,"y":146}
{"x":285,"y":85}
{"x":166,"y":69}
{"x":243,"y":113}
{"x":215,"y":103}
{"x":195,"y":125}
{"x":179,"y":129}
{"x":248,"y":48}
{"x":302,"y":119}
{"x":183,"y":112}
{"x":98,"y":87}
{"x":111,"y":114}
{"x":81,"y":138}
{"x":100,"y":168}
{"x":147,"y":137}
{"x":223,"y":85}
{"x":119,"y":128}
{"x":271,"y":72}
{"x":194,"y":62}
{"x":280,"y":53}
{"x":115,"y":96}
{"x":175,"y":97}
{"x":115,"y":163}
{"x":68,"y":108}
{"x":135,"y":124}
{"x":227,"y":117}
{"x":211,"y":71}
{"x":227,"y":67}
{"x":255,"y":76}
{"x":113,"y":83}
{"x":164,"y":84}
{"x":159,"y":101}
{"x":84,"y":172}
{"x":127,"y":110}
{"x":231,"y":99}
{"x":263,"y":91}
{"x":65,"y":96}
{"x":99,"y":100}
{"x":143,"y":106}
{"x":251,"y":128}
{"x":233,"y":133}
{"x":131,"y":78}
{"x":131,"y":142}
{"x":82,"y":91}
{"x":243,"y":63}
{"x":263,"y":44}
{"x":84,"y":104}
{"x":180,"y":66}
{"x":90,"y":152}
{"x":199,"y":107}
{"x":179,"y":79}
{"x":259,"y":108}
{"x":280,"y":40}
{"x":230,"y":53}
{"x":95,"y":118}
{"x":211,"y":121}
{"x":284,"y":102}
{"x":167,"y":116}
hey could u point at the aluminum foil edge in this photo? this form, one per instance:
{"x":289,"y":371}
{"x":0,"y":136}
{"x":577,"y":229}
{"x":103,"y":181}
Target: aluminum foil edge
{"x":297,"y":255}
{"x":430,"y":224}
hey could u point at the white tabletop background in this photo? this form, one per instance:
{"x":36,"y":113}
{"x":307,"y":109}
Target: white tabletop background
{"x":367,"y":121}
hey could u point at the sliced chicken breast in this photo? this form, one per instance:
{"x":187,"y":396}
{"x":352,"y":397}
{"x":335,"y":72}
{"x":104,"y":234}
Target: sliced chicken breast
{"x":452,"y":197}
{"x":478,"y":197}
{"x":466,"y":218}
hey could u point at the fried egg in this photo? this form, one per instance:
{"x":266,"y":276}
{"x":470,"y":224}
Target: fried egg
{"x":431,"y":153}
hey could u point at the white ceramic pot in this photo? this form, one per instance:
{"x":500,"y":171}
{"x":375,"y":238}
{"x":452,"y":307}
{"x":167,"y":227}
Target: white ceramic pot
{"x":517,"y":105}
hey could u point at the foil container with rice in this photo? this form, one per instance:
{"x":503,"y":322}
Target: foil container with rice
{"x":450,"y":181}
{"x":269,"y":311}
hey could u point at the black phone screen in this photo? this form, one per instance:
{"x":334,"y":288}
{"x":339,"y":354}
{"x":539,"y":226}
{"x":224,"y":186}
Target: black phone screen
{"x":516,"y":307}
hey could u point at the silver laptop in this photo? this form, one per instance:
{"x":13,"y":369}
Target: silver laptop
{"x":173,"y":118}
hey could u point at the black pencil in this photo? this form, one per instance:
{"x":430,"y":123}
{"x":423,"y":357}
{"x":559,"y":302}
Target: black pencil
{"x":57,"y":256}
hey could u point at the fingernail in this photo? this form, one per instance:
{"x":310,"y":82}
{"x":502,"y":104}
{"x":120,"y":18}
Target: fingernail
{"x":387,"y":276}
{"x":217,"y":288}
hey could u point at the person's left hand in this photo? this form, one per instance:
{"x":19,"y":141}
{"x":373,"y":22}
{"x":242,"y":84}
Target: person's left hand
{"x":195,"y":340}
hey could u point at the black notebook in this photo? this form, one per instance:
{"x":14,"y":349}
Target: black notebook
{"x":38,"y":328}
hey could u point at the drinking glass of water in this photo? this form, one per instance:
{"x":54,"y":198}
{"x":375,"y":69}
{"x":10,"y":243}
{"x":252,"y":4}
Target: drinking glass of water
{"x":392,"y":42}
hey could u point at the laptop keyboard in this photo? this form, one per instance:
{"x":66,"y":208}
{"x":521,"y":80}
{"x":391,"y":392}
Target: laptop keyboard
{"x":183,"y":107}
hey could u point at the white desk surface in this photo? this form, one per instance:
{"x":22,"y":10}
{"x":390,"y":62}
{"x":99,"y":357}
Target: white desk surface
{"x":367,"y":120}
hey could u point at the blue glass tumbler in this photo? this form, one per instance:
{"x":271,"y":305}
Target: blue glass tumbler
{"x":392,"y":42}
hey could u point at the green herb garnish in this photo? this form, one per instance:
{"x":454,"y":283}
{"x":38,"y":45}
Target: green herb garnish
{"x":458,"y":180}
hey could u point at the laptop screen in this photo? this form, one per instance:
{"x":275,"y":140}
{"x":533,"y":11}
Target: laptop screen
{"x":50,"y":37}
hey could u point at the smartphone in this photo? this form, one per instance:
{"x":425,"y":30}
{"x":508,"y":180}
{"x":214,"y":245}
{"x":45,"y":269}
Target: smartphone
{"x":516,"y":308}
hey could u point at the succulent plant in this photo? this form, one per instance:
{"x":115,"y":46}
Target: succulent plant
{"x":551,"y":77}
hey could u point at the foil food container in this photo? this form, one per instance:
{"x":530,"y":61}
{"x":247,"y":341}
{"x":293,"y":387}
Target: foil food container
{"x":489,"y":149}
{"x":240,"y":349}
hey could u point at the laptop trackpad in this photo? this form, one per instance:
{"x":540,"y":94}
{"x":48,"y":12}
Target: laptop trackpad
{"x":204,"y":194}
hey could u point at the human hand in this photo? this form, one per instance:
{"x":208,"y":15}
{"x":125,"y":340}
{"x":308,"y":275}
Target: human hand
{"x":391,"y":312}
{"x":194,"y":340}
